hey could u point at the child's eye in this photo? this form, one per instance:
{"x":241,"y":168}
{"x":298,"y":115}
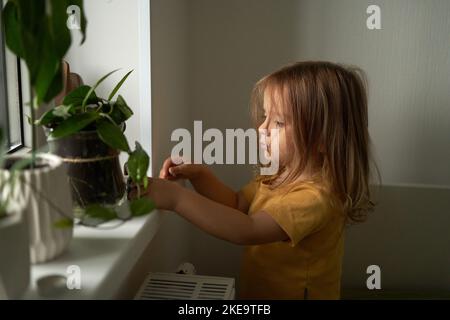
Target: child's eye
{"x":279,"y":123}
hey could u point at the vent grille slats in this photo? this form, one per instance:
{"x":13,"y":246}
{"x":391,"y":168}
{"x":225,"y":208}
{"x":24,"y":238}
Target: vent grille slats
{"x":173,"y":286}
{"x":150,"y":287}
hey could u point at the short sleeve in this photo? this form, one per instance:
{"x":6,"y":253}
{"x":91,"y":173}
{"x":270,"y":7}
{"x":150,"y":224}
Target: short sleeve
{"x":249,"y":190}
{"x":300,"y":213}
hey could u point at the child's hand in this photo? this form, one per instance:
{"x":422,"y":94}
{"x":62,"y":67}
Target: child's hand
{"x":163,"y":193}
{"x":172,"y":171}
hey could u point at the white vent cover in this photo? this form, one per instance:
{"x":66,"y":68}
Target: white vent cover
{"x":175,"y":286}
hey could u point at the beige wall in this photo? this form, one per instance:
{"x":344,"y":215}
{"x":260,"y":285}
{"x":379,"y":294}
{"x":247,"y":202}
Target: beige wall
{"x":169,"y":111}
{"x":408,"y":65}
{"x":407,"y":237}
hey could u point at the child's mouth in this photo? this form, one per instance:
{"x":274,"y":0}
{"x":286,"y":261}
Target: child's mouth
{"x":266,"y":148}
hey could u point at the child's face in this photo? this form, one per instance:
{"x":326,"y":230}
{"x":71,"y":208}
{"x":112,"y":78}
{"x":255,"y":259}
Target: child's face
{"x":274,"y":118}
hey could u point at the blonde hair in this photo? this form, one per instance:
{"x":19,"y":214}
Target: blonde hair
{"x":326,"y":105}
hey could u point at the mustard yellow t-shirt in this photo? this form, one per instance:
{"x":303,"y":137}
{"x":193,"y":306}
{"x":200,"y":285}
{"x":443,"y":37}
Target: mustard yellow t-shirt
{"x":308,"y":265}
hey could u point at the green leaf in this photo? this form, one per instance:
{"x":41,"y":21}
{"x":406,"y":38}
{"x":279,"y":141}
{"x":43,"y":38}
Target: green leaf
{"x":2,"y":151}
{"x":22,"y":164}
{"x":97,"y":211}
{"x":12,"y":28}
{"x":36,"y":31}
{"x":83,"y":21}
{"x":123,"y":107}
{"x":56,"y":114}
{"x":77,"y":96}
{"x":117,"y":87}
{"x":112,"y":135}
{"x":74,"y":124}
{"x":145,"y":182}
{"x":63,"y":223}
{"x":45,"y":119}
{"x":63,"y":111}
{"x":95,"y":87}
{"x":137,"y":164}
{"x":142,"y":206}
{"x":120,"y":110}
{"x":47,"y":75}
{"x":55,"y":86}
{"x":58,"y":26}
{"x":2,"y":210}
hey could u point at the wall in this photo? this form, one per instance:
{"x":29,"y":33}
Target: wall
{"x":169,"y":111}
{"x":408,"y":64}
{"x":407,"y":237}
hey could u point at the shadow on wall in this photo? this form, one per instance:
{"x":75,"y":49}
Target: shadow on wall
{"x":407,"y":237}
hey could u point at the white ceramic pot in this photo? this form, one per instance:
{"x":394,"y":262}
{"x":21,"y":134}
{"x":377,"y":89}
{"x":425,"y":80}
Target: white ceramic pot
{"x":14,"y":254}
{"x":46,"y":188}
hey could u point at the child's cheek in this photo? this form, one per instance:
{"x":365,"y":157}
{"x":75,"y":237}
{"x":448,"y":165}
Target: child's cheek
{"x":286,"y":144}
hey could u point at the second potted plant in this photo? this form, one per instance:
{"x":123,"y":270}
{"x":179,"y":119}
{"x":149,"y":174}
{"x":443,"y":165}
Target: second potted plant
{"x":14,"y":243}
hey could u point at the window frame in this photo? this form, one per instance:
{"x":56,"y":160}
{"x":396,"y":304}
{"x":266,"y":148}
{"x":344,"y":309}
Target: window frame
{"x":5,"y":107}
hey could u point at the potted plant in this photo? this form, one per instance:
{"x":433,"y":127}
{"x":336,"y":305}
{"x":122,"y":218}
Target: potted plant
{"x":87,"y":131}
{"x":15,"y":274}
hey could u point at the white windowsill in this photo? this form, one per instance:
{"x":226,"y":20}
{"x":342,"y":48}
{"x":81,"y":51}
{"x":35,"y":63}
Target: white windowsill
{"x":21,"y":151}
{"x":105,"y":258}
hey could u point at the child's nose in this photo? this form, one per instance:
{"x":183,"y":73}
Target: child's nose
{"x":264,"y":132}
{"x":264,"y":125}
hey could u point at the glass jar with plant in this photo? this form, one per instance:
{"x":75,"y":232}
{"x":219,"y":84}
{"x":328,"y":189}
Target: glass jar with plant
{"x":87,"y":131}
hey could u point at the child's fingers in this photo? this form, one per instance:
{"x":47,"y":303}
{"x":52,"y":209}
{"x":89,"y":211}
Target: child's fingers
{"x":168,"y":170}
{"x":181,"y":171}
{"x":174,"y":170}
{"x":167,"y":174}
{"x":164,"y":168}
{"x":164,"y":173}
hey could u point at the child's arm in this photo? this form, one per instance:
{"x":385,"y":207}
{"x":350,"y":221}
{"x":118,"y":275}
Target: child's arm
{"x":205,"y":183}
{"x":214,"y":218}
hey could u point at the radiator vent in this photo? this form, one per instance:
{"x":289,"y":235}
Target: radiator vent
{"x":173,"y":286}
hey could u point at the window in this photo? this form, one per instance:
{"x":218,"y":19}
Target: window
{"x":11,"y":114}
